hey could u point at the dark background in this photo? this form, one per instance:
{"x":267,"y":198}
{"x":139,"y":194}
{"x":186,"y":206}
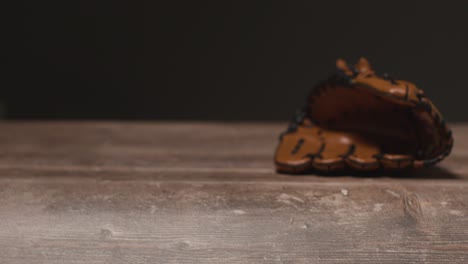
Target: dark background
{"x":218,"y":60}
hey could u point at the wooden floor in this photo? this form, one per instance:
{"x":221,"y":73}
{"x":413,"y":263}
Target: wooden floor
{"x":208,"y":193}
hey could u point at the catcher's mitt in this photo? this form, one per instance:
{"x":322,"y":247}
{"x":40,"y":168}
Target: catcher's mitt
{"x":360,"y":120}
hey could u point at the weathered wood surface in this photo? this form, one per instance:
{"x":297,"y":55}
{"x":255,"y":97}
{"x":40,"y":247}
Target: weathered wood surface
{"x":207,"y":193}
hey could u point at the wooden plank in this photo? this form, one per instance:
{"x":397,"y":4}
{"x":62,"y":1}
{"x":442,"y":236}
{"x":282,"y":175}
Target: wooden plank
{"x":166,"y":145}
{"x":77,"y":220}
{"x":207,"y":193}
{"x":159,"y":147}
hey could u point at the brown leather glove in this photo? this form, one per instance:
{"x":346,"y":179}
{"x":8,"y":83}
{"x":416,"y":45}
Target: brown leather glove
{"x":359,"y":120}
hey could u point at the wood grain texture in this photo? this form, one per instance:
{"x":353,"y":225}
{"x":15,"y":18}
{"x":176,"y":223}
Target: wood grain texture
{"x":81,"y":192}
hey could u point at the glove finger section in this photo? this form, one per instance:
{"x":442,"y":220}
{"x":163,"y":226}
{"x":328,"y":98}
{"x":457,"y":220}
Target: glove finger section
{"x":396,"y":91}
{"x":296,"y":151}
{"x":393,"y":161}
{"x":337,"y":147}
{"x":365,"y":155}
